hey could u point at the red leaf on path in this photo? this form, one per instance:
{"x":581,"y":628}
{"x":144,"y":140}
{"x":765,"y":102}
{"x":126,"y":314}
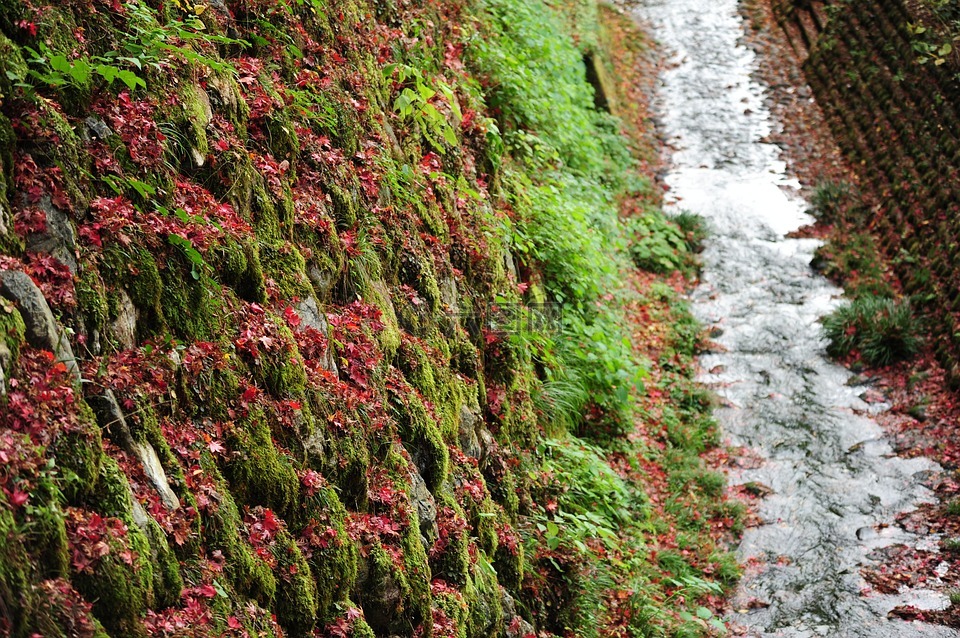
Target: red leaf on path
{"x":233,"y":623}
{"x":216,"y":447}
{"x":207,"y":591}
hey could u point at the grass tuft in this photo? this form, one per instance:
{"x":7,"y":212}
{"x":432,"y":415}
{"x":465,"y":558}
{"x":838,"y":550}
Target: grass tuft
{"x":881,"y":330}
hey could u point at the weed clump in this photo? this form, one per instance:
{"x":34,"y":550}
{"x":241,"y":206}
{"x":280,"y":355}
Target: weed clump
{"x":661,"y":245}
{"x":880,"y":329}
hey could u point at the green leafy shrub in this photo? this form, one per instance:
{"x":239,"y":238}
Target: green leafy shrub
{"x":659,"y":245}
{"x":881,"y":329}
{"x":693,"y":227}
{"x":563,"y":186}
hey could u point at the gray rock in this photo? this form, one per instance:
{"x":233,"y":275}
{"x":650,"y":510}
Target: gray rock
{"x":487,"y":443}
{"x":426,"y":508}
{"x":469,"y":442}
{"x":123,"y":329}
{"x":42,"y":329}
{"x":312,"y":317}
{"x":140,"y":516}
{"x":95,"y":128}
{"x":225,"y":94}
{"x":4,"y":217}
{"x":59,"y":239}
{"x":509,"y":264}
{"x":323,"y":280}
{"x":448,"y":295}
{"x":315,"y":445}
{"x":154,"y":471}
{"x":111,"y":418}
{"x":516,"y":626}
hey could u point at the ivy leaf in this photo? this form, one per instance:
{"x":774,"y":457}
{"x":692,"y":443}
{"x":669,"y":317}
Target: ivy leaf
{"x":80,"y":71}
{"x":450,"y":136}
{"x":131,"y":79}
{"x":107,"y":72}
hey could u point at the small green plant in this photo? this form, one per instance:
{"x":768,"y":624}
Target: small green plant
{"x":953,"y":507}
{"x":693,"y":227}
{"x":416,"y":101}
{"x":656,"y":245}
{"x":919,"y":409}
{"x":951,"y":545}
{"x":838,"y":203}
{"x":852,"y":259}
{"x":881,"y":329}
{"x":54,"y":69}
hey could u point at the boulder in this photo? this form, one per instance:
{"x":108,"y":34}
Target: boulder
{"x":312,"y":317}
{"x":426,"y":508}
{"x":42,"y":328}
{"x":111,"y":418}
{"x":59,"y":239}
{"x":123,"y":329}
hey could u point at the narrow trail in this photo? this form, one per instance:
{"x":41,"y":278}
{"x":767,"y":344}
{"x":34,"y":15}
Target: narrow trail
{"x":836,"y":484}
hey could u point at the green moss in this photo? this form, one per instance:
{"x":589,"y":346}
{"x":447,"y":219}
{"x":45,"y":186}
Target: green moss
{"x":347,"y":463}
{"x":421,"y":436}
{"x":15,"y":566}
{"x":67,"y":153}
{"x":167,"y":582}
{"x":190,"y":307}
{"x":12,"y":331}
{"x":79,"y":455}
{"x":324,"y":269}
{"x":10,"y":242}
{"x":444,"y":390}
{"x":258,"y":472}
{"x":249,"y":574}
{"x":238,"y":265}
{"x":345,"y":206}
{"x":510,"y":566}
{"x":483,"y":598}
{"x":417,"y":570}
{"x":296,"y":601}
{"x":334,"y":566}
{"x":456,"y":609}
{"x":263,"y":208}
{"x":361,"y":629}
{"x":12,"y":64}
{"x":91,"y":299}
{"x":196,"y":115}
{"x":283,"y":137}
{"x":49,"y":533}
{"x":282,"y":262}
{"x":121,"y":592}
{"x":135,"y":270}
{"x":390,"y":604}
{"x":453,"y":563}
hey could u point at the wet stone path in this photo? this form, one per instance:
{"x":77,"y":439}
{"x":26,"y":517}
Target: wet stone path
{"x":835,"y":484}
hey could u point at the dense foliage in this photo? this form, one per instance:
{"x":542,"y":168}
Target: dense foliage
{"x":326,"y":292}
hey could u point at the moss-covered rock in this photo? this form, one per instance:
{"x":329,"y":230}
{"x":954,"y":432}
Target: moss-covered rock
{"x":258,"y":472}
{"x":421,"y":436}
{"x":389,"y":603}
{"x":333,"y":556}
{"x":222,"y":527}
